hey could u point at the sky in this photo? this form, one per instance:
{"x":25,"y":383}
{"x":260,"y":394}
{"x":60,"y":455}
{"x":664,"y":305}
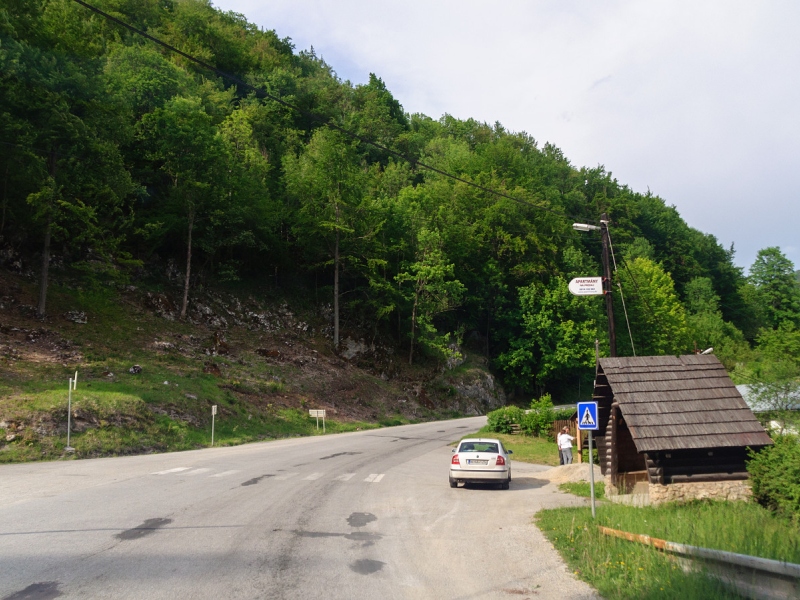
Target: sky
{"x":697,"y":101}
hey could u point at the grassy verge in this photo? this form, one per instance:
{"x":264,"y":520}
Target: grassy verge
{"x":619,"y":569}
{"x":118,"y":423}
{"x":583,"y":489}
{"x":528,"y":449}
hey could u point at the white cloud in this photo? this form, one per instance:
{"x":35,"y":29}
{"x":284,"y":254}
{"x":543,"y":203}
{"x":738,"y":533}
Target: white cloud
{"x":696,"y":100}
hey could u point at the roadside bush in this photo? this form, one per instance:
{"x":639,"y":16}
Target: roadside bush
{"x":564,"y":414}
{"x":775,"y":476}
{"x":501,"y":420}
{"x":539,"y":420}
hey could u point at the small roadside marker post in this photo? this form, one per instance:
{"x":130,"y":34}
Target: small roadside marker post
{"x":318,"y":413}
{"x":72,"y":384}
{"x":587,"y":421}
{"x":213,"y":414}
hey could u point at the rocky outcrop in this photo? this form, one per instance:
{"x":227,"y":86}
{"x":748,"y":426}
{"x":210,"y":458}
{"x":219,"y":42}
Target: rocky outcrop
{"x":474,"y":391}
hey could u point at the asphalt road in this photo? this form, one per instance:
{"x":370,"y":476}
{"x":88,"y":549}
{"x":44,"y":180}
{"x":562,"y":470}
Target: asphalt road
{"x":359,"y":515}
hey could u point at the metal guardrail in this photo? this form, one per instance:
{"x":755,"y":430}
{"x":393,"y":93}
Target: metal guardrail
{"x":752,"y":576}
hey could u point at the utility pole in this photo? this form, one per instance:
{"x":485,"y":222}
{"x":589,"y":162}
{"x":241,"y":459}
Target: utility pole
{"x":606,"y":241}
{"x":612,"y":334}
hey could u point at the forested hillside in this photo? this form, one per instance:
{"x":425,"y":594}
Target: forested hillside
{"x":117,"y":154}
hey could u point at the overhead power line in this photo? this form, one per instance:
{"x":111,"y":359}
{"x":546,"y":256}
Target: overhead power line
{"x":323,"y":121}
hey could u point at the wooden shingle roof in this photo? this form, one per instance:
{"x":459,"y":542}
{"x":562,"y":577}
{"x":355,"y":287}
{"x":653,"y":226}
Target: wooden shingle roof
{"x":681,"y":402}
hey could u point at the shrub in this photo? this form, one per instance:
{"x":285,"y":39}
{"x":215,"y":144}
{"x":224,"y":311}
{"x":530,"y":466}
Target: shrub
{"x":775,"y":476}
{"x":539,"y":420}
{"x":563,"y":414}
{"x":501,"y":420}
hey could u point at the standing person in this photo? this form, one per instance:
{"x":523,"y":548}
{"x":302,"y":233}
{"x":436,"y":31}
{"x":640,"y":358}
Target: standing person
{"x":565,"y":446}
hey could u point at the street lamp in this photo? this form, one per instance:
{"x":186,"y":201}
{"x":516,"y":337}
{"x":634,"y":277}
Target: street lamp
{"x":585,"y":227}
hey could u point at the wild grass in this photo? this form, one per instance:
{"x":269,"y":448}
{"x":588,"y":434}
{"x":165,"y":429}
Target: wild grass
{"x":583,"y":489}
{"x":620,"y":569}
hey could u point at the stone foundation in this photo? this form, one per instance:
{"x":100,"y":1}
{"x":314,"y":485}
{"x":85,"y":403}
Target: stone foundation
{"x":642,"y":493}
{"x":701,"y":490}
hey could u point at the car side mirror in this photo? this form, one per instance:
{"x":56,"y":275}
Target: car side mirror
{"x":511,"y":452}
{"x":454,"y":449}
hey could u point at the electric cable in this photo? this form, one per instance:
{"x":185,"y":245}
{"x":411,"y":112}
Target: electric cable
{"x":621,"y":294}
{"x":316,"y":118}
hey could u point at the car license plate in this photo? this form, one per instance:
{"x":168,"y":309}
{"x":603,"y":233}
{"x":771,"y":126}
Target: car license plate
{"x":473,"y":461}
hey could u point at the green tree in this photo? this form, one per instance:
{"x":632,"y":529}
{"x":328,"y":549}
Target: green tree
{"x":328,"y":185}
{"x":184,"y":145}
{"x":772,"y":274}
{"x":432,"y":291}
{"x":707,"y":326}
{"x":657,"y":318}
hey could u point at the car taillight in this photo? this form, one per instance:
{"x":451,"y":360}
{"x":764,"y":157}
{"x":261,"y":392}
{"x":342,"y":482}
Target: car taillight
{"x":455,"y":460}
{"x":500,"y":461}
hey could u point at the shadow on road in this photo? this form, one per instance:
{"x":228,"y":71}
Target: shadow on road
{"x":517,"y":483}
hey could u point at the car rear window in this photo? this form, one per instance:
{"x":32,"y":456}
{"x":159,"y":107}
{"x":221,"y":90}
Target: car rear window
{"x":478,"y":447}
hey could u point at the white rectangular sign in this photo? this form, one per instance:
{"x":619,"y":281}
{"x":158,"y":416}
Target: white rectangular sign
{"x":316,"y":413}
{"x":214,"y":409}
{"x":586,"y":286}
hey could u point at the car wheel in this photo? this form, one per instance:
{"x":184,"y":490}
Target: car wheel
{"x":506,"y":484}
{"x":453,"y":483}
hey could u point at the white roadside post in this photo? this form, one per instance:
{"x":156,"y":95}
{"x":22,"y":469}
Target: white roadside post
{"x":72,"y":385}
{"x":587,"y":421}
{"x":213,"y":414}
{"x":318,"y":413}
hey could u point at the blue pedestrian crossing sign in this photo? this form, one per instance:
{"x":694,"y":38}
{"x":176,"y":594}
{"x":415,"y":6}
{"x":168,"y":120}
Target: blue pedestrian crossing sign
{"x":587,"y":416}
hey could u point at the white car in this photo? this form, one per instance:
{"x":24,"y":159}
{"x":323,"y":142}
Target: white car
{"x":480,"y":460}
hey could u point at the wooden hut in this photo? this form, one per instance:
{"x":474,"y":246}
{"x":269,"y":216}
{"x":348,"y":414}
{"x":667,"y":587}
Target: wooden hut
{"x":674,"y":427}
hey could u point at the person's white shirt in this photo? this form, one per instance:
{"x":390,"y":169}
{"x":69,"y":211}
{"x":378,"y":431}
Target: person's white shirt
{"x":565,"y":441}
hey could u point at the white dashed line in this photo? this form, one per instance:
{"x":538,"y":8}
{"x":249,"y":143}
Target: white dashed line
{"x":285,"y":476}
{"x":374,"y":478}
{"x":345,"y":477}
{"x":198,"y":471}
{"x":225,"y":473}
{"x":168,"y":471}
{"x":378,"y":478}
{"x":313,"y":477}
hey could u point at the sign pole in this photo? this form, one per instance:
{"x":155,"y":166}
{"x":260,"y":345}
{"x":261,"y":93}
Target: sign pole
{"x":591,"y":474}
{"x":323,"y":422}
{"x":73,"y":383}
{"x":213,"y":414}
{"x":587,"y":420}
{"x":69,"y":415}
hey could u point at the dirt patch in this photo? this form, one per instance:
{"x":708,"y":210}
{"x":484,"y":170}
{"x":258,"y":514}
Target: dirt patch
{"x":570,"y":473}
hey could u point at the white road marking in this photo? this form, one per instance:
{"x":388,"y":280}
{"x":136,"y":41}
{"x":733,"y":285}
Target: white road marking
{"x":198,"y":471}
{"x":378,"y":478}
{"x":374,"y":477}
{"x":168,"y":471}
{"x":285,"y":476}
{"x":448,"y":515}
{"x":313,"y":477}
{"x":225,"y":473}
{"x":345,"y":477}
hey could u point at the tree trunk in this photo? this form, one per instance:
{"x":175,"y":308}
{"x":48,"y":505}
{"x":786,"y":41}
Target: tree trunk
{"x":185,"y":303}
{"x":41,"y":310}
{"x":5,"y":201}
{"x":336,"y":291}
{"x":413,"y":327}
